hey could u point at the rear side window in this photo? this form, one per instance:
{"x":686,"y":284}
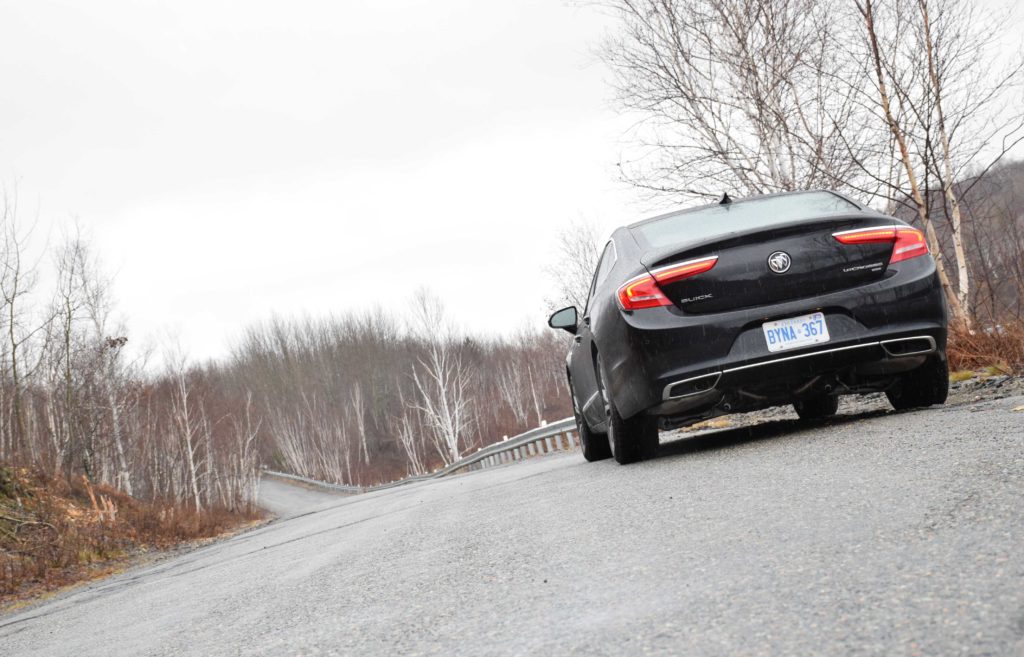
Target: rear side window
{"x":607,"y":260}
{"x":699,"y":225}
{"x":604,"y":265}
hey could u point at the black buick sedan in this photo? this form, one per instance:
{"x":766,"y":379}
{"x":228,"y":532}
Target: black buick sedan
{"x":785,"y":299}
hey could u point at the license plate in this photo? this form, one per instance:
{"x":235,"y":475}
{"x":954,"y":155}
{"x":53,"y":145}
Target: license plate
{"x":795,"y":332}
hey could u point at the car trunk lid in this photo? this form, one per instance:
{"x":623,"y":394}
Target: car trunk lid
{"x":772,"y":264}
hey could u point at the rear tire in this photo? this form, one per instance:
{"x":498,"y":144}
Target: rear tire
{"x":816,"y":408}
{"x":593,"y":445}
{"x":629,"y":439}
{"x":927,"y":385}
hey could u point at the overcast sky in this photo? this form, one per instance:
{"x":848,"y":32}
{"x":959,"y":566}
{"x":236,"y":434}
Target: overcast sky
{"x":236,"y":160}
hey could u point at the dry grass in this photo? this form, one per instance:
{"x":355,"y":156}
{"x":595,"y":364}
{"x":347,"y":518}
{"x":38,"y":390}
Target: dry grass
{"x":715,"y":423}
{"x":961,"y":375}
{"x":54,"y":532}
{"x":996,"y":349}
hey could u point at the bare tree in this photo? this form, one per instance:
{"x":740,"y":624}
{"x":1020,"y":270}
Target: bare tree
{"x":404,"y":426}
{"x":188,"y":420}
{"x":745,"y":96}
{"x":17,"y":282}
{"x":442,"y":378}
{"x":579,"y":246}
{"x":359,"y":413}
{"x":511,"y":385}
{"x":947,"y":107}
{"x":244,"y":475}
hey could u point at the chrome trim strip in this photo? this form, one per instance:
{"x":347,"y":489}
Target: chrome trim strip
{"x":799,"y":356}
{"x":919,"y":352}
{"x":666,"y":396}
{"x":862,"y":230}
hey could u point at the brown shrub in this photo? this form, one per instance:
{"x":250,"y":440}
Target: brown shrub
{"x":1000,"y":346}
{"x":53,"y":532}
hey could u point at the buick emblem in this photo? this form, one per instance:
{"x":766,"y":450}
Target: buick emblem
{"x":779,"y":262}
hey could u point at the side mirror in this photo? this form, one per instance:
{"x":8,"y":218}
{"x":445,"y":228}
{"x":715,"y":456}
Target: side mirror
{"x":564,"y":319}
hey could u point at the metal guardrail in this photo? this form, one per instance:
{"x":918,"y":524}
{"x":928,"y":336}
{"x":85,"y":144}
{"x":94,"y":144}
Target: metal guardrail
{"x":547,"y":438}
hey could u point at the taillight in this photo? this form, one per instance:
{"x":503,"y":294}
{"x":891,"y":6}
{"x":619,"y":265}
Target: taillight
{"x":907,"y":242}
{"x":643,"y":291}
{"x":867,"y":235}
{"x":910,"y":243}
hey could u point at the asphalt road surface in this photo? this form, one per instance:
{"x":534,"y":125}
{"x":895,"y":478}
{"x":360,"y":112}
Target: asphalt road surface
{"x":873,"y":534}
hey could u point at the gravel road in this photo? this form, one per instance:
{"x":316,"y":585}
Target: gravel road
{"x":872,"y":534}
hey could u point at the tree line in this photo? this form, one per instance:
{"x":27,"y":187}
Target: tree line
{"x":365,"y":398}
{"x":357,"y":399}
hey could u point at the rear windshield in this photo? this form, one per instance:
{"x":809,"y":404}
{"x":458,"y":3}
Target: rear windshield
{"x":698,"y":225}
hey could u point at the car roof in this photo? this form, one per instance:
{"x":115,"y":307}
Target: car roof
{"x":756,"y":197}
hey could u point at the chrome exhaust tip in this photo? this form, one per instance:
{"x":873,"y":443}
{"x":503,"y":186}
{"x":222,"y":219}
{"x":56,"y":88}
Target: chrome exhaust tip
{"x":693,"y":386}
{"x":903,"y":347}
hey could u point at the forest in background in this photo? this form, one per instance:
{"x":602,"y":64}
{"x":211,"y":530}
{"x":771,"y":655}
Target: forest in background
{"x":356,"y":399}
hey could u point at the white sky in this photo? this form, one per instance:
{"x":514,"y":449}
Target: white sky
{"x":236,"y":160}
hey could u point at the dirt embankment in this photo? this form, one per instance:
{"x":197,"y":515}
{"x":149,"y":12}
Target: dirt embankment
{"x":54,"y":532}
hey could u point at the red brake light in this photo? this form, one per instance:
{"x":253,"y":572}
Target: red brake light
{"x":643,"y":291}
{"x":910,"y":243}
{"x":907,"y":242}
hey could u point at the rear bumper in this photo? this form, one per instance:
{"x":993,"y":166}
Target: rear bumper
{"x":893,"y":350}
{"x":676,"y":364}
{"x":782,"y":379}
